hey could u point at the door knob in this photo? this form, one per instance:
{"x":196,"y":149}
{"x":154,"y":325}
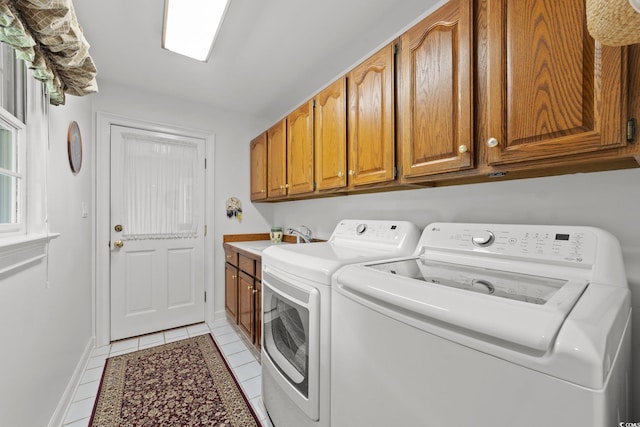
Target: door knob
{"x":118,"y":244}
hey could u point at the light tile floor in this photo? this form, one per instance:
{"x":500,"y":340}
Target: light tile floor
{"x":244,"y":364}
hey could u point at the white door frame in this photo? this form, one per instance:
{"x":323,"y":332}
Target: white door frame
{"x":102,"y":221}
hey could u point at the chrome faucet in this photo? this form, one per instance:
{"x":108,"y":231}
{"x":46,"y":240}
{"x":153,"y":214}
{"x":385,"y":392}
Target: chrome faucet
{"x":303,"y":235}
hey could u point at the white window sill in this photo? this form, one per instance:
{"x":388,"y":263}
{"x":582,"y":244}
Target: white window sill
{"x":16,"y":252}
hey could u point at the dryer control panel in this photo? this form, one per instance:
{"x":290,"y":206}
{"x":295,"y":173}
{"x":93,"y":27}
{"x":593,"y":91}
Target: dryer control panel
{"x":377,"y":232}
{"x":576,"y":245}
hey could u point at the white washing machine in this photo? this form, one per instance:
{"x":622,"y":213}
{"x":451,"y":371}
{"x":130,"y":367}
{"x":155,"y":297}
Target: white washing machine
{"x":485,"y":326}
{"x":296,"y":289}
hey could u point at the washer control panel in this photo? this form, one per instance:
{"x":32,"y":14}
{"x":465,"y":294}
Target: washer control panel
{"x":483,"y":238}
{"x":551,"y":243}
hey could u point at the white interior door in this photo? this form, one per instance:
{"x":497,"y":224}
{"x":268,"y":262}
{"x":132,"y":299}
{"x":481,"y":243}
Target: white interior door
{"x":157,"y":235}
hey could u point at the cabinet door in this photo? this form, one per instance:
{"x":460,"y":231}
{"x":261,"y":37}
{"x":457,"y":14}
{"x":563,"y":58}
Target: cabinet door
{"x":231,"y":290}
{"x":436,"y":131}
{"x":245,"y":304}
{"x":277,"y":155}
{"x":330,"y":131}
{"x":231,"y":256}
{"x":371,"y":137}
{"x":300,"y":150}
{"x":258,"y":328}
{"x":553,"y":91}
{"x":258,"y":154}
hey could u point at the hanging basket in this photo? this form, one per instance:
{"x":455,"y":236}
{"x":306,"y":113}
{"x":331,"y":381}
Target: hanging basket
{"x":613,"y":22}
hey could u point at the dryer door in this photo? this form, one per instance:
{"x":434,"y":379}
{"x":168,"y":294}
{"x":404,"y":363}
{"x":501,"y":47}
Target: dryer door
{"x":291,"y":339}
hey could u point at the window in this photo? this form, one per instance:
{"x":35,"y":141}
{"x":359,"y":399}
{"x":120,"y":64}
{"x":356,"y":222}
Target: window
{"x":24,"y":232}
{"x":12,"y":142}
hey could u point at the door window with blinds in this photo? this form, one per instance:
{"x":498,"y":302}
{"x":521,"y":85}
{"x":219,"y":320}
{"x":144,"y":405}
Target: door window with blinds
{"x":12,"y":142}
{"x":159,"y":187}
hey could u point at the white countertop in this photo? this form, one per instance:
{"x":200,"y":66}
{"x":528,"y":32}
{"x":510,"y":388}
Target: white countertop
{"x":255,"y":246}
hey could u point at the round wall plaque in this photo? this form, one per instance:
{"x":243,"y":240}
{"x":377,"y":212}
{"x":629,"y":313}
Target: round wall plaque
{"x":74,"y":147}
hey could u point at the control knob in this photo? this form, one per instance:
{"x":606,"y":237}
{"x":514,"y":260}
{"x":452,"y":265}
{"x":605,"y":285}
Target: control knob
{"x":483,"y":238}
{"x":361,"y":228}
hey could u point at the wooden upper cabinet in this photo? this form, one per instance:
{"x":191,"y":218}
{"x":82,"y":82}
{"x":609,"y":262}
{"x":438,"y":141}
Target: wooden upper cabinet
{"x":300,"y":150}
{"x":330,"y":136}
{"x":435,"y":117}
{"x":552,"y":90}
{"x":371,"y":135}
{"x":258,"y":155}
{"x":277,"y":155}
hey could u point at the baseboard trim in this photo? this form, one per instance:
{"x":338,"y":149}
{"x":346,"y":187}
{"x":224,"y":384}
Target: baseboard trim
{"x":65,"y":401}
{"x":220,"y":314}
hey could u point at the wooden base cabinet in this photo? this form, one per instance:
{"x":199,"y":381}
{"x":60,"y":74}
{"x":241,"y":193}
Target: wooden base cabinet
{"x":231,"y":284}
{"x":258,"y":311}
{"x":243,"y":293}
{"x":246,"y":304}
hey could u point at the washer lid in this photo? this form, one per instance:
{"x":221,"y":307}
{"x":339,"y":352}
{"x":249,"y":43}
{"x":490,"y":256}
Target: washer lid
{"x":517,"y":309}
{"x":502,"y":284}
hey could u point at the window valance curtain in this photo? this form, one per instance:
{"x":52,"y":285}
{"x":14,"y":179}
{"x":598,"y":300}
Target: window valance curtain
{"x":46,"y":34}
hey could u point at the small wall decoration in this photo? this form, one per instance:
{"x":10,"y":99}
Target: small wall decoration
{"x":234,"y":208}
{"x":74,"y":147}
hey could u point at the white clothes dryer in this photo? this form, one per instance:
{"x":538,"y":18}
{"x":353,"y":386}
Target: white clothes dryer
{"x":485,"y":326}
{"x":296,"y":315}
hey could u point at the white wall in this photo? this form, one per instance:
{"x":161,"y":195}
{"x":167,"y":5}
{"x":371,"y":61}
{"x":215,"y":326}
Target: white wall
{"x":230,"y":160}
{"x":609,"y":200}
{"x":45,"y":308}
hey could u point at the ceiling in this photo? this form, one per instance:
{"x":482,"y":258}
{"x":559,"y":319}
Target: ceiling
{"x":270,"y":55}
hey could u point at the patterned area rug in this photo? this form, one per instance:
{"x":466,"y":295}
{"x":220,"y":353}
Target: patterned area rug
{"x":184,"y":383}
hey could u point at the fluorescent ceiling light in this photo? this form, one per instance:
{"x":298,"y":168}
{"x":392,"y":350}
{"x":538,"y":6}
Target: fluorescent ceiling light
{"x":191,"y":26}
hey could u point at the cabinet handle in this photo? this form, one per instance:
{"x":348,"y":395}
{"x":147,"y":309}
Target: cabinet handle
{"x":249,"y":287}
{"x":233,"y":276}
{"x":282,"y":187}
{"x":286,"y":186}
{"x":340,"y":174}
{"x":492,"y":142}
{"x":462,"y":149}
{"x":262,"y":191}
{"x":255,"y":291}
{"x":350,"y":171}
